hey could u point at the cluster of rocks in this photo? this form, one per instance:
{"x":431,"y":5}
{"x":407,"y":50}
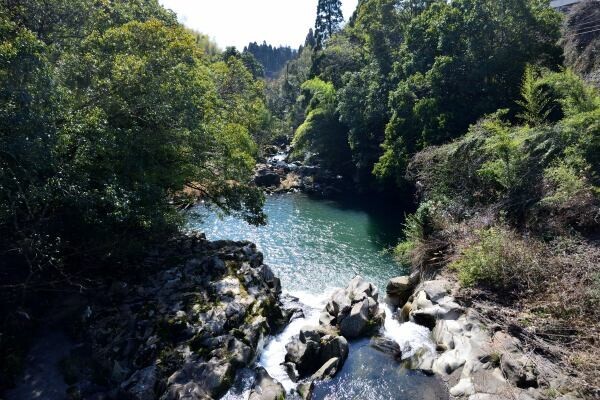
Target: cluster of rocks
{"x":477,"y":363}
{"x":277,"y":175}
{"x":355,"y":310}
{"x":319,"y":352}
{"x":183,"y":331}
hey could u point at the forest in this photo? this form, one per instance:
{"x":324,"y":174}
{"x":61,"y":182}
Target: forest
{"x":482,"y":115}
{"x":273,"y":59}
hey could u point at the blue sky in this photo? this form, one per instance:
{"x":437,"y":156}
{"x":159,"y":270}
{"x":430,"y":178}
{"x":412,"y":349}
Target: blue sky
{"x":237,"y":22}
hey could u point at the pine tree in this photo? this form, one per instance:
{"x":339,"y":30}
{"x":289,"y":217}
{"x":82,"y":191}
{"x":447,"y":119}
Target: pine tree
{"x":310,"y":41}
{"x":329,"y":20}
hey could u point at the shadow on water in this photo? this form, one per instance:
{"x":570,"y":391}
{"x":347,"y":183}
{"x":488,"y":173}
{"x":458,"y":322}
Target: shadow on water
{"x":372,"y":375}
{"x":386,"y":215}
{"x":307,"y":239}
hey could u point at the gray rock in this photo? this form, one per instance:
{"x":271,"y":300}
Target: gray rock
{"x":426,"y":317}
{"x":332,"y":347}
{"x":305,"y":390}
{"x":519,"y":371}
{"x":305,"y":355}
{"x":355,"y":324}
{"x":141,"y":385}
{"x":239,"y":353}
{"x":266,"y":388}
{"x":386,"y":345}
{"x":217,"y":377}
{"x":291,"y":371}
{"x":266,"y":178}
{"x":359,"y":289}
{"x":328,"y":370}
{"x":398,"y":290}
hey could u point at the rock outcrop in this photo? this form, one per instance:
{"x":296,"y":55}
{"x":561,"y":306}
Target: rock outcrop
{"x":477,"y":363}
{"x":354,"y":311}
{"x":278,"y":175}
{"x":266,"y":388}
{"x":315,"y":353}
{"x":400,"y":289}
{"x":184,"y":329}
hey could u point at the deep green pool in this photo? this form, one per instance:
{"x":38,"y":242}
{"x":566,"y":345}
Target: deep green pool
{"x":313,"y":245}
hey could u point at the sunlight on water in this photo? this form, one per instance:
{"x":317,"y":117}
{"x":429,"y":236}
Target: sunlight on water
{"x":315,"y":246}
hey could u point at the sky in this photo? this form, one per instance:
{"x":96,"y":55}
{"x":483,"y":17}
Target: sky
{"x":238,"y":22}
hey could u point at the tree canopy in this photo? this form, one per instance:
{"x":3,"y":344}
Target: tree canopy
{"x":409,"y":74}
{"x":107,"y":112}
{"x":329,"y":20}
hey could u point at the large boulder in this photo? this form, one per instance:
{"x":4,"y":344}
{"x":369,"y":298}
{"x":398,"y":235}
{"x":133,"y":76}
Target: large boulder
{"x":266,"y":178}
{"x":333,"y":347}
{"x":266,"y":388}
{"x":354,"y":310}
{"x":303,"y":352}
{"x":356,"y":323}
{"x":431,"y":303}
{"x":311,"y":349}
{"x":398,"y":290}
{"x":327,"y":370}
{"x":386,"y":345}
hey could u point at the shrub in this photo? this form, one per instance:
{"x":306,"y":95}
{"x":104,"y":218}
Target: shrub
{"x":421,"y":245}
{"x":500,"y":259}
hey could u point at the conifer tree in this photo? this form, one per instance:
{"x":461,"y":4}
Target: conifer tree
{"x":329,"y":20}
{"x":310,"y":41}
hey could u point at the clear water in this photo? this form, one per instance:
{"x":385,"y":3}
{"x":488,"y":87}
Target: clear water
{"x":315,"y":246}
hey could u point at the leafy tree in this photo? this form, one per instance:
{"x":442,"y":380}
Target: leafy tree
{"x":461,"y":60}
{"x":321,"y":132}
{"x":329,"y":20}
{"x":535,"y":101}
{"x":105,"y":117}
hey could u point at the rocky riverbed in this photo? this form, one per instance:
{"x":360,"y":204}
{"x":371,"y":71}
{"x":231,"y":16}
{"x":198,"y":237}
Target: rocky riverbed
{"x":278,"y":174}
{"x":182,"y":331}
{"x":199,"y":319}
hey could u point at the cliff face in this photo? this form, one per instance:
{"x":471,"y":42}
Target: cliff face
{"x":184,"y":329}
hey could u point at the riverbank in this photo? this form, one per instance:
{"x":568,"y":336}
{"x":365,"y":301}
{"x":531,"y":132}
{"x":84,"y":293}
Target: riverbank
{"x":477,"y":356}
{"x":202,"y":311}
{"x":207,"y":312}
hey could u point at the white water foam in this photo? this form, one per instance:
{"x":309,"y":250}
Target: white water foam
{"x":274,"y":353}
{"x":410,"y":336}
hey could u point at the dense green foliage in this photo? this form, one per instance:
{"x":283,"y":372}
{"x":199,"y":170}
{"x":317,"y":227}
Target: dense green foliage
{"x":409,"y":74}
{"x":530,"y":168}
{"x":107,"y":111}
{"x":273,"y":59}
{"x":321,"y":116}
{"x":541,"y":178}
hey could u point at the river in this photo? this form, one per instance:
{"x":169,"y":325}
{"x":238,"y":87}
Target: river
{"x":315,"y":246}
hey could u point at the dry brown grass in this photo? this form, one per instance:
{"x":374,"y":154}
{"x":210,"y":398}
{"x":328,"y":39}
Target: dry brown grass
{"x":550,"y":298}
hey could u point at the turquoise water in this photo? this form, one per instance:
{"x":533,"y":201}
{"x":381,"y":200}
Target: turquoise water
{"x":314,"y":245}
